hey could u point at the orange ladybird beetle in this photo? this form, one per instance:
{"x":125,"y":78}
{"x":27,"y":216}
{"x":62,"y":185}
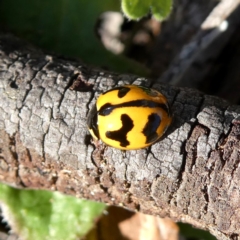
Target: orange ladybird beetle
{"x":129,"y":117}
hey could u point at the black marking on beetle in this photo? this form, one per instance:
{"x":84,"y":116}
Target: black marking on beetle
{"x":92,"y":120}
{"x":121,"y":134}
{"x":150,"y":129}
{"x":107,"y":108}
{"x":113,"y":89}
{"x":123,"y":91}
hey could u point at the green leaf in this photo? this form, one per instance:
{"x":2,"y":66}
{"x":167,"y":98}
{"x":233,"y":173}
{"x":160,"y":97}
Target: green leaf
{"x":161,"y":9}
{"x":42,"y":215}
{"x":135,"y":9}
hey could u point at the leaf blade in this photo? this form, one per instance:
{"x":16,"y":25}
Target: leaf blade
{"x":136,"y":9}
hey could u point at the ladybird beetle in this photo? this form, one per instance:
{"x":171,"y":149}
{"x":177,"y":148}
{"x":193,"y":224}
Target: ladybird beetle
{"x":129,"y":117}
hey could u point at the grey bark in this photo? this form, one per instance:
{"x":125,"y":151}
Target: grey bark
{"x":191,"y":175}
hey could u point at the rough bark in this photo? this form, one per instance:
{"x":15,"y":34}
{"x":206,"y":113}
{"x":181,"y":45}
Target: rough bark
{"x":191,"y":175}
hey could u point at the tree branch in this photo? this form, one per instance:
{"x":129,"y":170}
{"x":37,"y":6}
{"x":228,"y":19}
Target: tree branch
{"x":192,"y":175}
